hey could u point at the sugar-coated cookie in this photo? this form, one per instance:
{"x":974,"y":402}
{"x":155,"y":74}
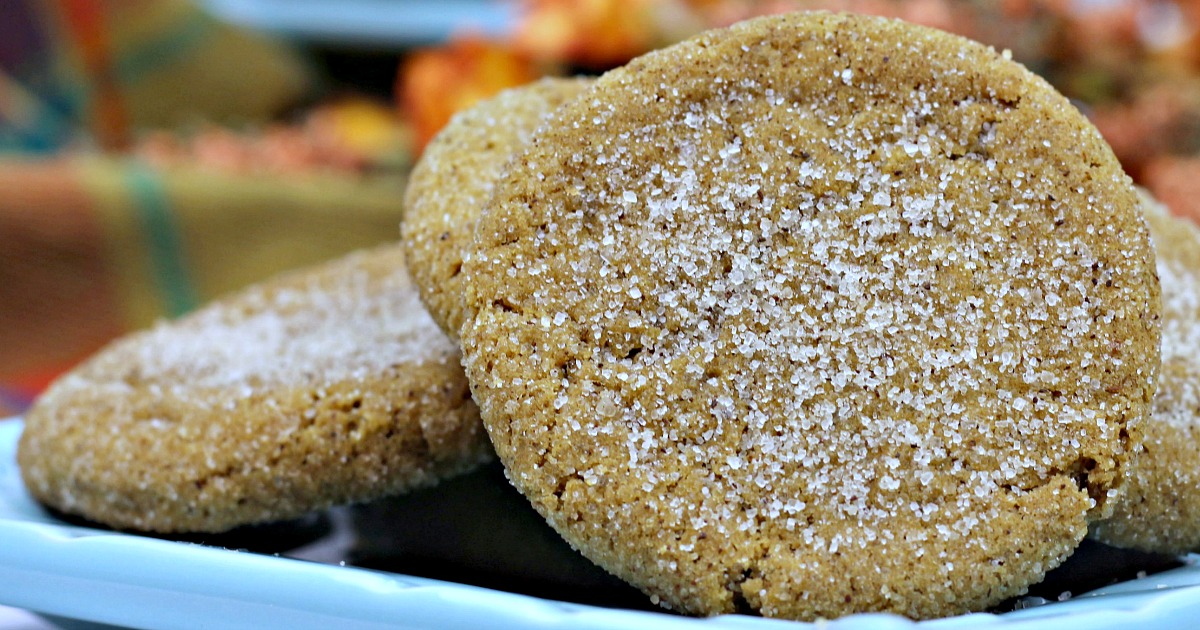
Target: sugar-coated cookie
{"x":814,"y":315}
{"x":1159,"y":510}
{"x":453,"y":179}
{"x":322,"y":386}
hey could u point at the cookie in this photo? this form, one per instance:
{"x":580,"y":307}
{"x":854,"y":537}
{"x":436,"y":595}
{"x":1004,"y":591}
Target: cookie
{"x":1159,"y":511}
{"x":814,"y":315}
{"x":323,"y":386}
{"x":453,"y":179}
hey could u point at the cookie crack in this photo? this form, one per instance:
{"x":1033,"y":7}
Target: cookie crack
{"x":741,"y":605}
{"x":506,"y":305}
{"x":1079,"y":472}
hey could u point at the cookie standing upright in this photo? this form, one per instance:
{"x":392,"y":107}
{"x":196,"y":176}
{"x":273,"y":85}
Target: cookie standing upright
{"x":453,"y":179}
{"x":323,"y":386}
{"x":1159,"y":510}
{"x":814,"y":315}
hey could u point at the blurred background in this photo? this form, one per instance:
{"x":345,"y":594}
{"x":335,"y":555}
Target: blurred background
{"x":157,"y":153}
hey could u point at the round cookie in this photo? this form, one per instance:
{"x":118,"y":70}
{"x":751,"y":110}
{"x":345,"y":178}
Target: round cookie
{"x":451,"y":183}
{"x":319,"y":387}
{"x":1159,"y":510}
{"x":815,"y":315}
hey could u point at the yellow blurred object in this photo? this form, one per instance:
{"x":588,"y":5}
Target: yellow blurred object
{"x":351,"y":137}
{"x":366,"y":127}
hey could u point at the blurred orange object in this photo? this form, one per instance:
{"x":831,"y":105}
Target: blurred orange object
{"x":593,"y":33}
{"x":1161,"y":119}
{"x":433,"y":84}
{"x":87,"y":23}
{"x":1175,"y":181}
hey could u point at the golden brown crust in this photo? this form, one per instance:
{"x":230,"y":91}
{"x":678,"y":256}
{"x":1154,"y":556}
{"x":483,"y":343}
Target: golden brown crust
{"x":453,"y":179}
{"x":810,"y":315}
{"x":323,"y":386}
{"x":1159,"y":509}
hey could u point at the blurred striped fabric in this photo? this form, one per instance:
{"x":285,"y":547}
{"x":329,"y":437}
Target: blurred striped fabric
{"x":94,"y":242}
{"x":97,"y":70}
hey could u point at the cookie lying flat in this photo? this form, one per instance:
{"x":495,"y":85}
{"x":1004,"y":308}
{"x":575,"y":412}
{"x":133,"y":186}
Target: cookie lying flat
{"x":814,"y":315}
{"x":453,"y":179}
{"x":1160,"y":509}
{"x":324,"y":386}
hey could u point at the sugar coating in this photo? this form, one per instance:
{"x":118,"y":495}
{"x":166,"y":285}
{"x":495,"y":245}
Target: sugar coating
{"x":454,"y":178}
{"x":323,"y":386}
{"x":1159,"y":511}
{"x":815,"y":315}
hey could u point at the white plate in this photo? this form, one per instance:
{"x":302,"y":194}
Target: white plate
{"x":76,"y":572}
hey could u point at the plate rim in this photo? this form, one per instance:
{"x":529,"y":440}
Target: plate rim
{"x":44,"y":558}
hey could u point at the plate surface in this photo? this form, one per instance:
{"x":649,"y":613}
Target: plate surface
{"x":78,"y":572}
